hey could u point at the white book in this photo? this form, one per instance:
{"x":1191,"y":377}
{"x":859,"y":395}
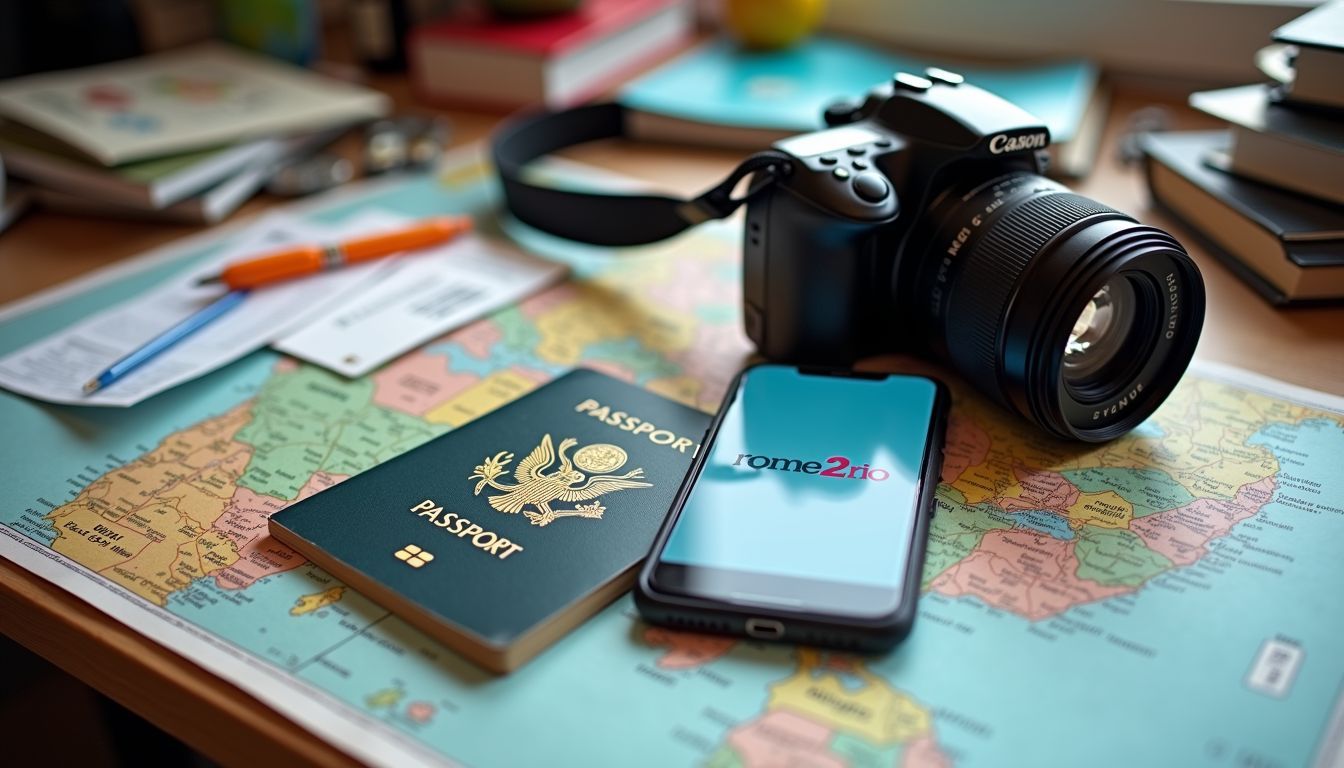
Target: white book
{"x":192,"y":98}
{"x":14,"y":200}
{"x":150,"y":184}
{"x":207,"y":206}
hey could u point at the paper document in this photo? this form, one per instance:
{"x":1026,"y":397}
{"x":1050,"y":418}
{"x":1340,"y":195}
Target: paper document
{"x":430,"y":293}
{"x":55,"y":368}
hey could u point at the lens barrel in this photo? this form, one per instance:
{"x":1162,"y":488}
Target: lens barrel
{"x":1060,"y":308}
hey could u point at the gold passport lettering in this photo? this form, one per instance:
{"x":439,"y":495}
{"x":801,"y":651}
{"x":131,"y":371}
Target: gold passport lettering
{"x":634,"y":425}
{"x":540,"y":489}
{"x":462,"y":528}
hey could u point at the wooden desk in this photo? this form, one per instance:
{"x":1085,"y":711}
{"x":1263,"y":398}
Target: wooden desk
{"x":1301,"y":346}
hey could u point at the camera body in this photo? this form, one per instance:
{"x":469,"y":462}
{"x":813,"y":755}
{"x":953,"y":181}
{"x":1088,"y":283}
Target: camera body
{"x":919,"y":221}
{"x":829,"y":245}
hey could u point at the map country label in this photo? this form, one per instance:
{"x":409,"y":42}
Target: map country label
{"x":957,"y":529}
{"x":967,"y":446}
{"x":1112,"y":557}
{"x":592,"y":314}
{"x":482,"y":397}
{"x":1146,"y":490}
{"x":385,"y":698}
{"x":418,"y":383}
{"x":1023,"y":572}
{"x":1038,"y":489}
{"x":149,"y":525}
{"x":1183,"y":534}
{"x":1106,"y":509}
{"x":832,"y":712}
{"x":307,"y":421}
{"x":779,"y":738}
{"x":259,"y":554}
{"x":420,"y":712}
{"x":873,"y":711}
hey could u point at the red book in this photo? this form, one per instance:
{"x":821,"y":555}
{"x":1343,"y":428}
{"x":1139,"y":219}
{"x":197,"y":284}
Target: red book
{"x":560,"y":60}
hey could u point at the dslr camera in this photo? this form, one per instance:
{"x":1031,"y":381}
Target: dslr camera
{"x":920,"y":221}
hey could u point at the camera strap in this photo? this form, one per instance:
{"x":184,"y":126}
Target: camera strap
{"x":606,"y":218}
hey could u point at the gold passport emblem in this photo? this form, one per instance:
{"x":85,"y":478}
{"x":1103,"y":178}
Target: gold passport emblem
{"x":413,"y":556}
{"x":539,"y":489}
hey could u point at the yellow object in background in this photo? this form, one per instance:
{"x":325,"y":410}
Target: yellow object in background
{"x":770,"y":24}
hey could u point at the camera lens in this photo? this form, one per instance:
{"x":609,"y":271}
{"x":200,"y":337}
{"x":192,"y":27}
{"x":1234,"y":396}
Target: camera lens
{"x":1100,"y":332}
{"x":1067,"y":311}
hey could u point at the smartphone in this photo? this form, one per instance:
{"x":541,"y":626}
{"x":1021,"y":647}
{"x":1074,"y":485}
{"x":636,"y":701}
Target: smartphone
{"x":805,"y":513}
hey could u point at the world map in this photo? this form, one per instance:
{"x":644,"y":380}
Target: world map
{"x":1167,"y":598}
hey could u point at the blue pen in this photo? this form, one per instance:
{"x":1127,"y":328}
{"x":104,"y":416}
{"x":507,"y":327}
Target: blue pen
{"x":163,"y":341}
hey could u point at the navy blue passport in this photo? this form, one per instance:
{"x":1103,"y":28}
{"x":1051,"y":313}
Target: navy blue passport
{"x":502,"y":535}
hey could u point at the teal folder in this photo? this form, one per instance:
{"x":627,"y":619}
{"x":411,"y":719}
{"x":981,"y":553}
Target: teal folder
{"x":721,"y":84}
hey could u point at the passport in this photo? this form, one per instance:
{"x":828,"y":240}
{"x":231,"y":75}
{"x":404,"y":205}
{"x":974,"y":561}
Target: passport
{"x":502,"y":535}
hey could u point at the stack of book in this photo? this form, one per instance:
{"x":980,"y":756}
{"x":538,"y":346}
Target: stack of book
{"x":185,"y":136}
{"x":14,"y":200}
{"x":1268,"y":194}
{"x":477,"y":58}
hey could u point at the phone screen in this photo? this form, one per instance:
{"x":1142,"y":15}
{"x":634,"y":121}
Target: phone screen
{"x":808,"y":495}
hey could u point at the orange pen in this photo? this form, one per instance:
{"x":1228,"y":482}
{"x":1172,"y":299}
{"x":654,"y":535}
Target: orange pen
{"x":310,"y":259}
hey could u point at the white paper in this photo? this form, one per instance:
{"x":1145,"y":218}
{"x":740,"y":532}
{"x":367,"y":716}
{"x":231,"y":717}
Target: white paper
{"x":54,"y":369}
{"x":430,"y":293}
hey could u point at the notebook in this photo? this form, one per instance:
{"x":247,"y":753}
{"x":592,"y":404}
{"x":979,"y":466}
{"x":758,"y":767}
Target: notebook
{"x":1287,"y":247}
{"x":187,"y":99}
{"x":477,"y":57}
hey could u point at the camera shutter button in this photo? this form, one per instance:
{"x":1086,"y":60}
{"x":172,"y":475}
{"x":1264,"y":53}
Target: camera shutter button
{"x":939,"y":75}
{"x":871,"y":187}
{"x":909,"y":82}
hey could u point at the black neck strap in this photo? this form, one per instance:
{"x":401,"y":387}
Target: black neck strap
{"x":608,"y":219}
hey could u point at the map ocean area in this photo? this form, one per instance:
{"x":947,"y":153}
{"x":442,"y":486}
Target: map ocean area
{"x":1167,"y":598}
